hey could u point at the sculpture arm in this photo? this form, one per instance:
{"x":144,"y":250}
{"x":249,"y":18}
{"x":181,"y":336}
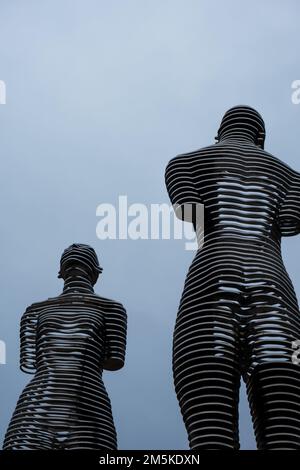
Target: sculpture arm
{"x":115,"y":338}
{"x":28,"y":341}
{"x":181,"y":188}
{"x":289,"y":215}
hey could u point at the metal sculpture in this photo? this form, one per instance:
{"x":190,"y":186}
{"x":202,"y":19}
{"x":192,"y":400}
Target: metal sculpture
{"x":238,"y":315}
{"x":66,"y":342}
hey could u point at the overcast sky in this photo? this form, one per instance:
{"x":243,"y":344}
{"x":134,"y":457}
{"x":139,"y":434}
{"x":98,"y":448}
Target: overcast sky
{"x":100,"y":95}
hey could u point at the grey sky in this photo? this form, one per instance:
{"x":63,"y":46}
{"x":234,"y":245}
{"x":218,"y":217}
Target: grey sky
{"x":100,"y":95}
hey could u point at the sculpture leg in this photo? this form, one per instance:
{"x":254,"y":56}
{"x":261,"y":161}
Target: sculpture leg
{"x":83,"y":436}
{"x":207,"y":377}
{"x":273,"y":381}
{"x":273,"y":392}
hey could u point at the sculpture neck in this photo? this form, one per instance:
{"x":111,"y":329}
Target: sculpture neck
{"x":243,"y":135}
{"x":77,"y":284}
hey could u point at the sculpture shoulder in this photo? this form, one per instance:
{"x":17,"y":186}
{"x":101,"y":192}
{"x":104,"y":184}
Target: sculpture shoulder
{"x":36,"y":306}
{"x":258,"y":155}
{"x":190,"y":157}
{"x":110,"y":305}
{"x":277,"y":161}
{"x":103,"y":303}
{"x":290,"y":175}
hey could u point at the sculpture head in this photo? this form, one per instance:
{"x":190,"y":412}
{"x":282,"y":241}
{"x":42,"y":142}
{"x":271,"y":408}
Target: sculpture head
{"x":80,"y":259}
{"x":240,"y":122}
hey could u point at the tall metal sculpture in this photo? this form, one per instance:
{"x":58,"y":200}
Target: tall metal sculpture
{"x":238,"y":314}
{"x":66,"y":342}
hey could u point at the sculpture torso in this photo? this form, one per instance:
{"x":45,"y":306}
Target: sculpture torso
{"x":243,"y":188}
{"x":71,"y":335}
